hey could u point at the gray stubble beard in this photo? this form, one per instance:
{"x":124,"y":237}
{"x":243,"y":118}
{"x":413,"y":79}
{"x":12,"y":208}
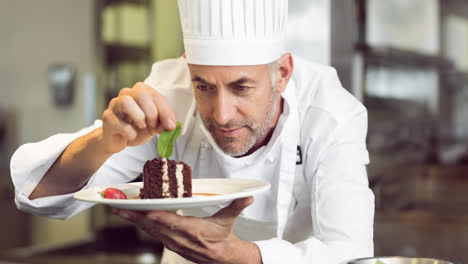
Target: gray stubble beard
{"x":256,"y":135}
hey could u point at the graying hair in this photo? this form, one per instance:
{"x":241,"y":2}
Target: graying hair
{"x":272,"y":70}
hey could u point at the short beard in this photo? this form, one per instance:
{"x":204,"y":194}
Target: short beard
{"x":273,"y":106}
{"x":256,"y":132}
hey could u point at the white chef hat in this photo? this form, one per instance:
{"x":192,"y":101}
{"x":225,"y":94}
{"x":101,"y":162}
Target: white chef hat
{"x":233,"y":32}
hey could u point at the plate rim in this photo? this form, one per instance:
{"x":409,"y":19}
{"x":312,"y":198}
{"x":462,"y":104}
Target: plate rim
{"x":174,"y":202}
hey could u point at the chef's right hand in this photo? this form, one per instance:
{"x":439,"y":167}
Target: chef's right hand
{"x":134,"y":117}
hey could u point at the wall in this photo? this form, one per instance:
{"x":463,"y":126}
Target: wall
{"x":168,"y":41}
{"x":454,"y":36}
{"x":343,"y":37}
{"x":164,"y":30}
{"x":308,"y":30}
{"x":402,"y":24}
{"x":36,"y":34}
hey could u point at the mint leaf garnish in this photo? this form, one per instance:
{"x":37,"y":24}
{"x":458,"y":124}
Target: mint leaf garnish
{"x":167,"y":139}
{"x":379,"y":262}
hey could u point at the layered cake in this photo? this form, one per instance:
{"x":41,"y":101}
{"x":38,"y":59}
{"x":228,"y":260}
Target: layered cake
{"x":163,"y":178}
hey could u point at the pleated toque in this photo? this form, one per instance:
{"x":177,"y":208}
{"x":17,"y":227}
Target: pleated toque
{"x":233,"y":32}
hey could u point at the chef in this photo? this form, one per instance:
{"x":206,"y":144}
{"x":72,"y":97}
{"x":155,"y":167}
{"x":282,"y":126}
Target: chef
{"x":250,"y":110}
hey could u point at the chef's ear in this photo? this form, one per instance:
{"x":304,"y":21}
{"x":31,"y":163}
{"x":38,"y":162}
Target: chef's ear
{"x":284,"y":71}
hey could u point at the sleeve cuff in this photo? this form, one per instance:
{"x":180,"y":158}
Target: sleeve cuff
{"x":31,"y":161}
{"x":29,"y":164}
{"x":278,"y":251}
{"x":57,"y":206}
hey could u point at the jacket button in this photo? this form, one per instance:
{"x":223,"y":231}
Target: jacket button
{"x":271,"y":159}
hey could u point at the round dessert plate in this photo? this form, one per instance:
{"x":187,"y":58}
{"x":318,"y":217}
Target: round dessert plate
{"x":206,"y":192}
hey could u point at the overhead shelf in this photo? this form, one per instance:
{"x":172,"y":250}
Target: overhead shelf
{"x":118,"y":53}
{"x":115,"y":2}
{"x":392,"y":57}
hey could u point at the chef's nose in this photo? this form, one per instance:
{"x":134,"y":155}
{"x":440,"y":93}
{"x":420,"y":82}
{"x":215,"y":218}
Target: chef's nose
{"x":224,"y":107}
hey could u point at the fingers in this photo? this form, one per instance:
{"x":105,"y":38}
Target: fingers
{"x":149,"y":99}
{"x":162,"y":225}
{"x":130,"y":215}
{"x":229,"y":214}
{"x":135,"y":116}
{"x":115,"y":124}
{"x":174,"y":221}
{"x":128,"y":110}
{"x":156,"y":110}
{"x":142,"y":94}
{"x":162,"y":219}
{"x":166,"y":115}
{"x":149,"y":108}
{"x":194,"y":238}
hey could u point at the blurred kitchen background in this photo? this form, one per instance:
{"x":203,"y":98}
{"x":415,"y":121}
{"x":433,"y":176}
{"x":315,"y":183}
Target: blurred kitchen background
{"x":406,"y":60}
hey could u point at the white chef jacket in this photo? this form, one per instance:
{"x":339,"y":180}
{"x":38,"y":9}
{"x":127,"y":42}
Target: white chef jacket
{"x":319,"y":210}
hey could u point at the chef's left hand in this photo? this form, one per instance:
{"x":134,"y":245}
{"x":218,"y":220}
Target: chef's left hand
{"x":201,"y":240}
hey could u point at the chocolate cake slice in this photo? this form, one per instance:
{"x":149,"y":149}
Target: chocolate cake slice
{"x":163,"y":178}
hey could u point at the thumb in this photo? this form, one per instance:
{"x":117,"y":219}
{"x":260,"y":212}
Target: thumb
{"x":229,"y":214}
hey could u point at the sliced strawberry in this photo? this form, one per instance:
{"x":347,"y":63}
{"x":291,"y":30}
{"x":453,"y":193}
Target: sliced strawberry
{"x":112,"y":193}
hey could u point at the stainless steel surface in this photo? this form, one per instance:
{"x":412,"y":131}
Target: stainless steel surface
{"x":398,"y":260}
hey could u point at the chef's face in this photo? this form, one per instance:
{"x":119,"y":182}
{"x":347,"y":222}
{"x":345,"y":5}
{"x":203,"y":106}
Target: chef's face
{"x":237,"y":104}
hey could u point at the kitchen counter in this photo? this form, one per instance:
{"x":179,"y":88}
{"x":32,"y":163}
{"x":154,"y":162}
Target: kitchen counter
{"x":423,"y":211}
{"x":422,"y":233}
{"x":75,"y":259}
{"x":116,"y":247}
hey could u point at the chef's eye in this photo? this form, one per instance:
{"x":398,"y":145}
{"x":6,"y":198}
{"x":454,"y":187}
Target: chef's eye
{"x":241,"y":88}
{"x":203,"y":87}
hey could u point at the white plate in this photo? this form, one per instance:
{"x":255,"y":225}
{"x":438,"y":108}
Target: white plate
{"x":227,"y":190}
